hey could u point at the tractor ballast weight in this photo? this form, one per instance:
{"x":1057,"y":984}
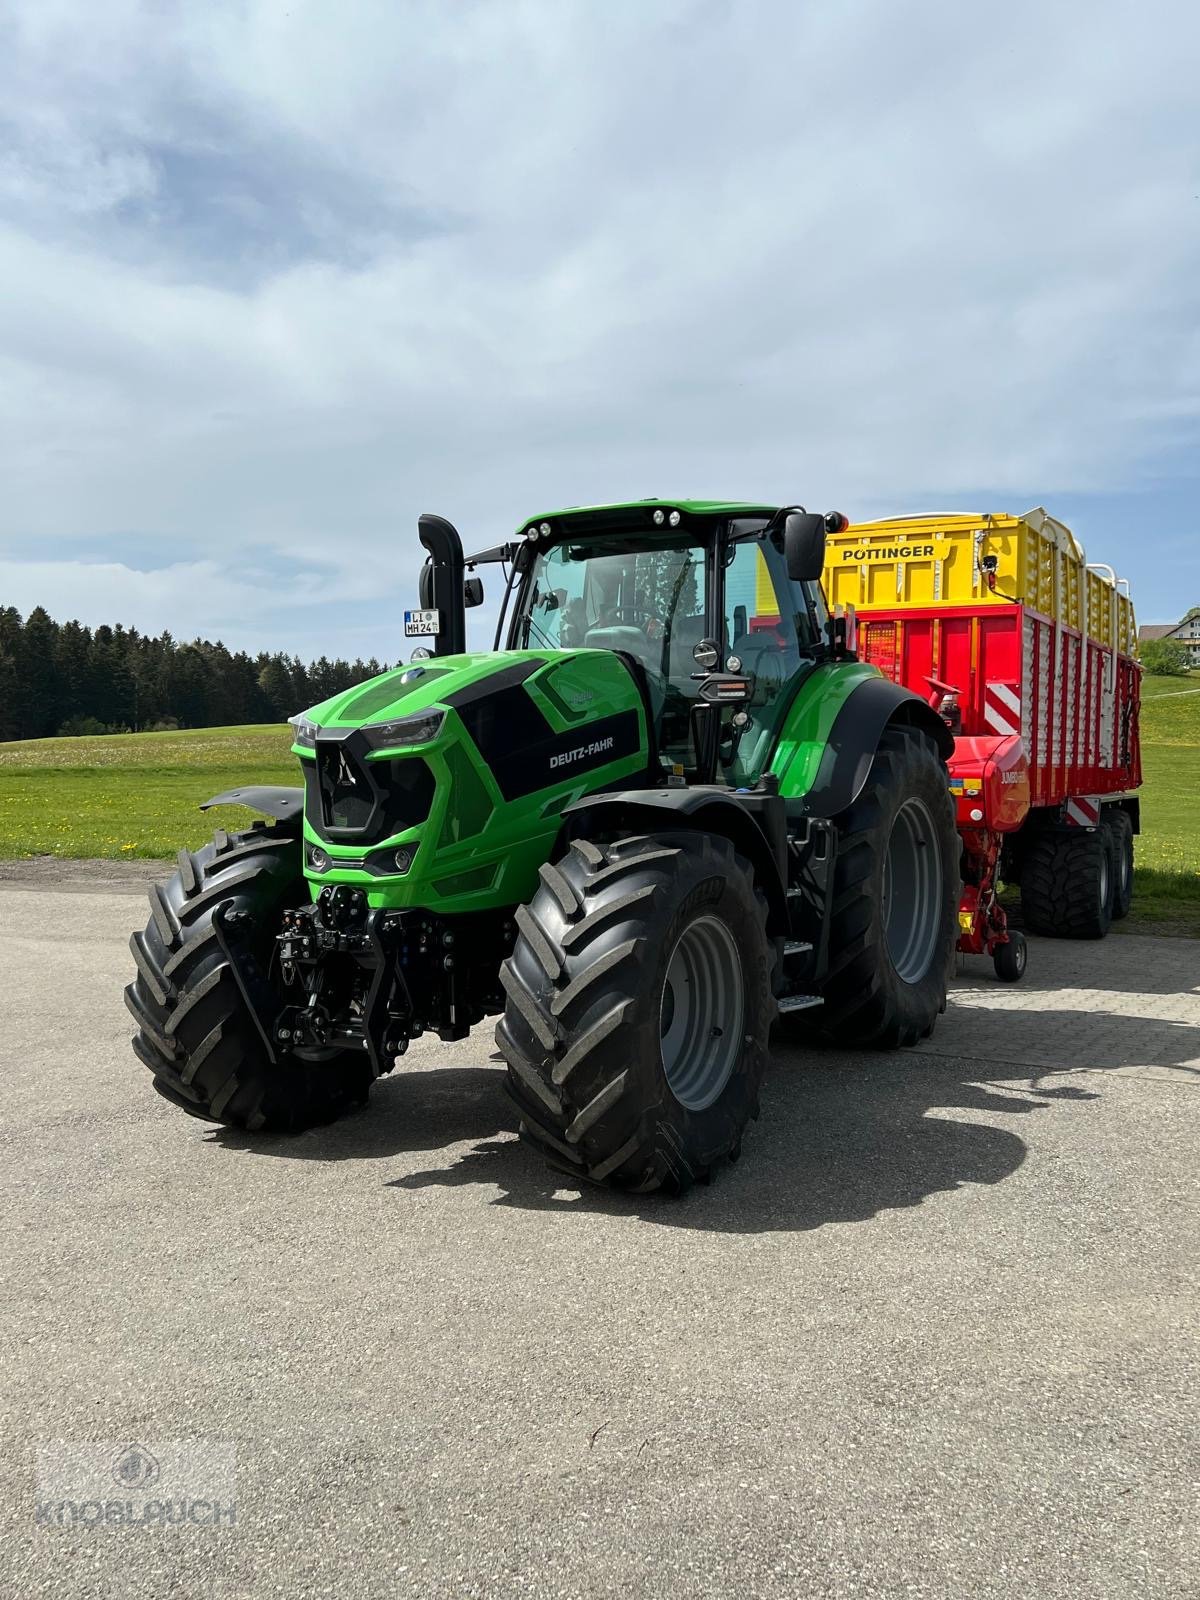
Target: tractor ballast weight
{"x":675,"y":812}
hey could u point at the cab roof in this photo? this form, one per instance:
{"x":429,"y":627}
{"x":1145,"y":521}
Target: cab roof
{"x":624,"y":515}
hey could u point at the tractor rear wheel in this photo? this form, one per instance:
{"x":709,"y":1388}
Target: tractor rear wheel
{"x":1121,"y":831}
{"x":1067,"y":884}
{"x":893,"y":922}
{"x":195,"y":1031}
{"x":639,"y":1009}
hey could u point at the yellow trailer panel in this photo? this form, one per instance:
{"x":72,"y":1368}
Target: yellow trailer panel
{"x":910,"y":562}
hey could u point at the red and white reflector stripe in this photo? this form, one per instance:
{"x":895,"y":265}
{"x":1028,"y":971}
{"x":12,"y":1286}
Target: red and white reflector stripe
{"x":1001,"y":708}
{"x":1083,"y":810}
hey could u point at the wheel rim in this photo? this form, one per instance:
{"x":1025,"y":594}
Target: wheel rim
{"x":912,"y":891}
{"x":1103,"y":879}
{"x":700,"y":1014}
{"x":1126,"y":867}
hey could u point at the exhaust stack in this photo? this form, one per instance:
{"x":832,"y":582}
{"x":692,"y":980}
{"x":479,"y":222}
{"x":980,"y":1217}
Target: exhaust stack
{"x":441,"y":581}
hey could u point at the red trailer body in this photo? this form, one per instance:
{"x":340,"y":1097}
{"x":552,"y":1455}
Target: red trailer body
{"x":1073,"y":702}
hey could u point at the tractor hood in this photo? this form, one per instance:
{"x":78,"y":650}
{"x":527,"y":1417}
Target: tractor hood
{"x":444,"y":781}
{"x":409,"y":689}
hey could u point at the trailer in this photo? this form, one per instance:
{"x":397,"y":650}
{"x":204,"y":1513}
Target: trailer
{"x":1027,"y":651}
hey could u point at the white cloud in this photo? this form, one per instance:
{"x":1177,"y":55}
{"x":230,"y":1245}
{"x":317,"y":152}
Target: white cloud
{"x":869,"y":255}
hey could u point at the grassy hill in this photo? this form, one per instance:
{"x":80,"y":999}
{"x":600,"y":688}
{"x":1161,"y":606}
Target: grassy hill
{"x":131,"y":794}
{"x":1171,"y":768}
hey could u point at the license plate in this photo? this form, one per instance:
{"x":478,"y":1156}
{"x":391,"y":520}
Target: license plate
{"x":418,"y":624}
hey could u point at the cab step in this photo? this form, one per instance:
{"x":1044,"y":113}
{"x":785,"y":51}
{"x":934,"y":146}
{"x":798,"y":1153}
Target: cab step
{"x":797,"y":1002}
{"x":796,"y":947}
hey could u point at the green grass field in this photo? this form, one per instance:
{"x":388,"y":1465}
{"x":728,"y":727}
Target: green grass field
{"x":136,"y":794}
{"x":131,"y":794}
{"x":1171,"y":768}
{"x":1167,"y":888}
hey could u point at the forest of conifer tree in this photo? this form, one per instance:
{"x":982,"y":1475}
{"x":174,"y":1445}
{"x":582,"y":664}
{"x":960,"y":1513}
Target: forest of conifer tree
{"x":65,"y":678}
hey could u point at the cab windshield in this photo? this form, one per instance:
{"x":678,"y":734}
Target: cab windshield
{"x":655,"y":602}
{"x":650,"y":603}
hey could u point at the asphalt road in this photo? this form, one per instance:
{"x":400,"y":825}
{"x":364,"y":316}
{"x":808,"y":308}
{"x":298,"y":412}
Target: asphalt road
{"x":934,"y":1335}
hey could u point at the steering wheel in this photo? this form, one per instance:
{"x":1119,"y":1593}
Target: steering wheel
{"x":637,"y":616}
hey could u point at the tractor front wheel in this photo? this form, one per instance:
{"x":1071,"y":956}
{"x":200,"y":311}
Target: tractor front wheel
{"x":639,"y":1009}
{"x":195,"y":1031}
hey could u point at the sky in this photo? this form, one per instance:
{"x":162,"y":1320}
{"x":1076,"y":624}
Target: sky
{"x":276,"y":278}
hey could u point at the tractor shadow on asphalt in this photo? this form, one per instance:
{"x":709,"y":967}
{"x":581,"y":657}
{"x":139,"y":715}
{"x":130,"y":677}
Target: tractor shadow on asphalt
{"x":843,"y":1137}
{"x":407,"y":1111}
{"x":838,"y":1140}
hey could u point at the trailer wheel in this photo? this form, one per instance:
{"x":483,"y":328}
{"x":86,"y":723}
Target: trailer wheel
{"x":195,"y":1031}
{"x":1067,"y":881}
{"x":1120,"y":827}
{"x":1010,"y":958}
{"x":639,"y":1009}
{"x":893,"y":922}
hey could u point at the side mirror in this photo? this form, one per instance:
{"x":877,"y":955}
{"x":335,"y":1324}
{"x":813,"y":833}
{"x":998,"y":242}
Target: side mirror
{"x":472,"y":592}
{"x":804,"y":545}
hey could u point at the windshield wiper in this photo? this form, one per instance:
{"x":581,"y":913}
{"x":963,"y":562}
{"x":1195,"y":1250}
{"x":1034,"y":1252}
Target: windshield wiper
{"x":547,"y":642}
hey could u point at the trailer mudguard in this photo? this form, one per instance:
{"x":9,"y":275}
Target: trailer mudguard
{"x":755,"y":822}
{"x":286,"y":805}
{"x":876,"y":704}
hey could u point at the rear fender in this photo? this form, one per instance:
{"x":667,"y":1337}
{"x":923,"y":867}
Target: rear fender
{"x":854,"y":738}
{"x":755,"y":823}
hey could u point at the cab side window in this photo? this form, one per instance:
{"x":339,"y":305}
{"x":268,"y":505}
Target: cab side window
{"x":763,"y":610}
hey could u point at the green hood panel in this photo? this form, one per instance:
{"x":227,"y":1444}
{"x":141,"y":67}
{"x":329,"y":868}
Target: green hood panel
{"x":524,"y":733}
{"x":409,"y":689}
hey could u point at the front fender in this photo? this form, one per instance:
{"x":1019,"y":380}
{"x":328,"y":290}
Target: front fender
{"x":755,"y":822}
{"x":284,"y":804}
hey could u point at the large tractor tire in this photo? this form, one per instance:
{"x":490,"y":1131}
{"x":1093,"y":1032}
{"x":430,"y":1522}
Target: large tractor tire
{"x":894,"y":917}
{"x":1067,"y":883}
{"x":639,"y":1010}
{"x":195,"y":1030}
{"x":1120,"y":830}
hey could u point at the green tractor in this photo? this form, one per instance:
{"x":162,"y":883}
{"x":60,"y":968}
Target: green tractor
{"x":669,"y":811}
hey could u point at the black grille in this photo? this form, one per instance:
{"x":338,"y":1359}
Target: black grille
{"x":350,"y":798}
{"x":347,"y":798}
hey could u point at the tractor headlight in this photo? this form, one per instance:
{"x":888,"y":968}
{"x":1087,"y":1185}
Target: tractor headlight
{"x":304,"y":732}
{"x":404,"y":731}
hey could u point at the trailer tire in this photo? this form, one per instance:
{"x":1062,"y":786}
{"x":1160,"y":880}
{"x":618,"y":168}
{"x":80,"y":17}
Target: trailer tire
{"x":195,"y":1031}
{"x":1010,"y":958}
{"x":1067,"y":884}
{"x":639,"y":1009}
{"x":1117,"y":821}
{"x":887,"y":978}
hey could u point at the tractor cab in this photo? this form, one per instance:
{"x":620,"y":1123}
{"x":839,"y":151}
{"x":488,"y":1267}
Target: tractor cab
{"x":696,"y":598}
